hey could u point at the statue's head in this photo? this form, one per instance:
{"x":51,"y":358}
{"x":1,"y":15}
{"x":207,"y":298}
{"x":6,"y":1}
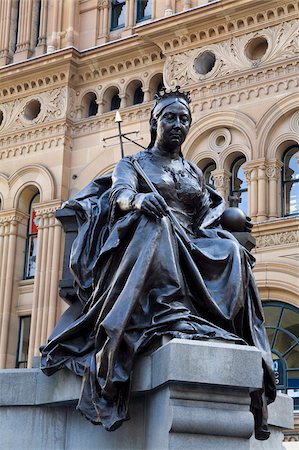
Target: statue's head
{"x":164,"y":101}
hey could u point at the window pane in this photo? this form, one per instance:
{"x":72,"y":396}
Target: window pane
{"x":293,"y":383}
{"x":292,"y":358}
{"x":208,"y":175}
{"x":144,"y":9}
{"x":272,"y":315}
{"x":290,"y":321}
{"x":31,"y":256}
{"x":283,"y":342}
{"x":93,"y":108}
{"x":270,"y":334}
{"x":238,"y":186}
{"x":23,"y":345}
{"x":115,"y":102}
{"x":244,"y":202}
{"x":138,"y":96}
{"x":238,"y":181}
{"x":117,"y":14}
{"x":291,"y":164}
{"x":291,"y":196}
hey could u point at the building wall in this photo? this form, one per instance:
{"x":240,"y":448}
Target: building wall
{"x":56,"y":55}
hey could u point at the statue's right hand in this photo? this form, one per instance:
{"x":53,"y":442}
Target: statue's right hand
{"x":151,"y":203}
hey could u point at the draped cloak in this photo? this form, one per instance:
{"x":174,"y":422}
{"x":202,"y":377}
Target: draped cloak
{"x":139,"y":278}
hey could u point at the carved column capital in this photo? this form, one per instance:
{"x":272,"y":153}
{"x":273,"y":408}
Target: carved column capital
{"x":221,"y":178}
{"x":46,"y":210}
{"x":102,"y":4}
{"x":273,"y":169}
{"x":13,"y":216}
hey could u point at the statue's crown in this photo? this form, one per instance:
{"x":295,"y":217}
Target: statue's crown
{"x":163,"y":94}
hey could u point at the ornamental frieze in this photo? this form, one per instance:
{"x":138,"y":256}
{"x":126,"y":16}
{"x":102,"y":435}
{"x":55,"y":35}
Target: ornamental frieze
{"x":285,"y":238}
{"x":235,"y":55}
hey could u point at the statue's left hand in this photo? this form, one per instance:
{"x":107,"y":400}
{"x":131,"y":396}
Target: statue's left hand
{"x":248,"y":225}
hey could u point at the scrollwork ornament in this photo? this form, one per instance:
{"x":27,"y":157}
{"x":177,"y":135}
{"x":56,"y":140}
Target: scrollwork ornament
{"x":230,"y":56}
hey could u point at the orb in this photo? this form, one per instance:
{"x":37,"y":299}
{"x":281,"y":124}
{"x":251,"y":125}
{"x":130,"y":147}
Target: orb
{"x":233,"y":219}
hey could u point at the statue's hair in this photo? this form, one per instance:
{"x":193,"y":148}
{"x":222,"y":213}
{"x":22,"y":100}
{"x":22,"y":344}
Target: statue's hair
{"x":164,"y":96}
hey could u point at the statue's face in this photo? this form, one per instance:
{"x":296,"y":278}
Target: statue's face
{"x":173,"y":125}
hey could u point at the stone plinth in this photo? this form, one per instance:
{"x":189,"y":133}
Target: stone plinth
{"x":186,"y":394}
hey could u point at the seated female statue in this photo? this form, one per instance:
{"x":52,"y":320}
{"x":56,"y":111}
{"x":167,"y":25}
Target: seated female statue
{"x":150,"y":260}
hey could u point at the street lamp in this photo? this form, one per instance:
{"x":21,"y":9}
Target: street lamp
{"x":118,"y":120}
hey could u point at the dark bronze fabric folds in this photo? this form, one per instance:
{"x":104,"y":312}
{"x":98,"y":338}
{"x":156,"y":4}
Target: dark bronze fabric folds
{"x":137,"y":279}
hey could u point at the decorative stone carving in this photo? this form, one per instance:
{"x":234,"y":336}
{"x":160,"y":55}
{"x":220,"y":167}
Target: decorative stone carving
{"x":283,"y":43}
{"x":285,"y":238}
{"x":53,"y":107}
{"x":103,"y":4}
{"x":273,"y":171}
{"x":247,"y":174}
{"x":13,"y":217}
{"x":219,"y":139}
{"x":221,"y":180}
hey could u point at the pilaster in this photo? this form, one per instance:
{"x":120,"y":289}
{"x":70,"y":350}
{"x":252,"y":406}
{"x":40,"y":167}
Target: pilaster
{"x":9,"y":228}
{"x":23,"y":50}
{"x":42,"y":32}
{"x":103,"y":7}
{"x":44,"y":303}
{"x":5,"y":24}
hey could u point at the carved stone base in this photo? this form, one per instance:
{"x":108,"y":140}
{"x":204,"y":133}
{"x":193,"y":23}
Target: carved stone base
{"x":186,"y":394}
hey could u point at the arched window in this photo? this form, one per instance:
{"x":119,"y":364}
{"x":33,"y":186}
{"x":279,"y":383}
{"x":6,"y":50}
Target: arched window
{"x":138,"y":96}
{"x":160,"y":86}
{"x":238,"y":186}
{"x":31,"y":241}
{"x":282,"y":326}
{"x":207,"y":173}
{"x":290,"y":181}
{"x":143,"y":10}
{"x":118,"y":11}
{"x":89,"y":103}
{"x":115,"y":102}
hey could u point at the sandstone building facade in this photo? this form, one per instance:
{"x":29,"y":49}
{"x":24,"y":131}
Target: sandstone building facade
{"x":67,"y":65}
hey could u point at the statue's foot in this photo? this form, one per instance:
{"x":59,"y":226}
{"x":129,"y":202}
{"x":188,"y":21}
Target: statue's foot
{"x":262,"y":434}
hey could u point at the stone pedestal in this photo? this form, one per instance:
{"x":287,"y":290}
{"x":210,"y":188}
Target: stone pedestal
{"x":185,"y":394}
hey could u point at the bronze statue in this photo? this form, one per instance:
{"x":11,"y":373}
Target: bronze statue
{"x":151,"y":259}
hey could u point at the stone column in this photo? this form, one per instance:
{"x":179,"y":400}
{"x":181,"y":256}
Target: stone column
{"x":123,"y":100}
{"x":23,"y":50}
{"x":42,"y":32}
{"x":168,"y":8}
{"x":186,"y":5}
{"x":45,"y":294}
{"x":9,"y":227}
{"x":262,"y":193}
{"x":221,"y":181}
{"x":53,"y":43}
{"x":147,"y":95}
{"x":130,"y":13}
{"x":251,"y":174}
{"x":71,"y":23}
{"x":273,"y":174}
{"x":100,"y":104}
{"x":5,"y":24}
